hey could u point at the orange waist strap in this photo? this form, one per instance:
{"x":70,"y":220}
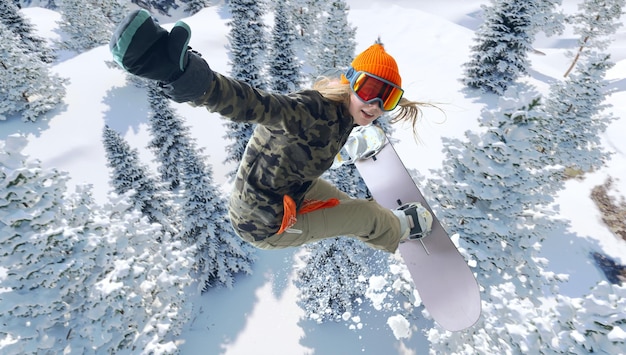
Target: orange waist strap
{"x":290,"y":212}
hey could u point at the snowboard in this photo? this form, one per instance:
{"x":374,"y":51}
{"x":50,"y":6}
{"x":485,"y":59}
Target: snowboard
{"x":441,"y":275}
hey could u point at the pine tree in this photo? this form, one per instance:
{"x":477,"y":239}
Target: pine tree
{"x":41,"y":255}
{"x":75,"y":278}
{"x":284,"y":66}
{"x":169,"y":138}
{"x":248,"y":42}
{"x":564,"y":325}
{"x":193,"y":6}
{"x":595,"y":22}
{"x":503,"y":41}
{"x":576,"y":120}
{"x":547,"y":18}
{"x":336,"y":46}
{"x":162,"y":6}
{"x":495,"y":193}
{"x":221,"y":253}
{"x":592,"y":324}
{"x":307,"y":16}
{"x":503,"y":181}
{"x":113,"y":10}
{"x":247,"y":45}
{"x":85,"y":24}
{"x":21,"y":27}
{"x":137,"y":301}
{"x":27,"y":89}
{"x":333,"y":281}
{"x":129,"y":174}
{"x":304,"y":13}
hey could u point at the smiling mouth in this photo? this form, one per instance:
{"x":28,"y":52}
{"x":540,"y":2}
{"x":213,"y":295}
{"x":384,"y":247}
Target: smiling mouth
{"x":367,"y":115}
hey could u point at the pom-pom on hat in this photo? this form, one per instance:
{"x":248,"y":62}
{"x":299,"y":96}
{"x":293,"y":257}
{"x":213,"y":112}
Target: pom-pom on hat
{"x":376,"y":61}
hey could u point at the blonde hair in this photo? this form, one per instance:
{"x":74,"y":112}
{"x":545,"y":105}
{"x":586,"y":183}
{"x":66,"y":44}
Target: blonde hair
{"x":407,"y":110}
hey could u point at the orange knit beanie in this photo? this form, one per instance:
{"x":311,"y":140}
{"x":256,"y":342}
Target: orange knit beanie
{"x":376,"y":61}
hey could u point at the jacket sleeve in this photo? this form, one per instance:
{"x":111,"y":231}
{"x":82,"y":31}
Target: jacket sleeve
{"x":240,"y":102}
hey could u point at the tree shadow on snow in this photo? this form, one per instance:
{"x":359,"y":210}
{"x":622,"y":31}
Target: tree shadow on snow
{"x":569,"y":253}
{"x":617,"y":85}
{"x":221,"y":315}
{"x":490,"y":101}
{"x":128,"y":108}
{"x":472,"y":20}
{"x":542,"y":77}
{"x":368,"y":334}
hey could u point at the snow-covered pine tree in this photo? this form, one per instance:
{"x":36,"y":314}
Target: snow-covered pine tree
{"x":128,"y":173}
{"x":596,"y":22}
{"x":503,"y":41}
{"x":42,"y":258}
{"x":77,"y":279}
{"x":193,"y":6}
{"x":162,"y":6}
{"x":248,"y":42}
{"x":28,"y":89}
{"x":48,"y":4}
{"x":336,"y":45}
{"x":576,"y":120}
{"x":170,"y":137}
{"x":595,"y":323}
{"x":563,"y":325}
{"x":547,"y":17}
{"x":305,"y":14}
{"x":21,"y":27}
{"x":334,"y":281}
{"x":137,"y":303}
{"x":284,"y":67}
{"x":114,"y":10}
{"x":220,"y":252}
{"x":85,"y":24}
{"x":494,"y":192}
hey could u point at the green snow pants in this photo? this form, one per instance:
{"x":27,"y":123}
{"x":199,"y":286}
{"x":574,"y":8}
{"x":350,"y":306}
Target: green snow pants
{"x":363,"y":219}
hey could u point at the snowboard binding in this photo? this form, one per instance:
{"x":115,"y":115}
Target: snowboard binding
{"x":420,"y":220}
{"x":364,"y":143}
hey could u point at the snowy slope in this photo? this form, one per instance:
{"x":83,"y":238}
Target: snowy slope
{"x":430,"y":40}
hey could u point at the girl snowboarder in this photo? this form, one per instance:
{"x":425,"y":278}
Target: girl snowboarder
{"x":279,"y":199}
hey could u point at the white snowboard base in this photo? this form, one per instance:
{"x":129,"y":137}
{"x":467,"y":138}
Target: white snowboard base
{"x":441,"y":275}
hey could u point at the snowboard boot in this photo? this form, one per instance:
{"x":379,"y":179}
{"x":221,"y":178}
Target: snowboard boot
{"x":372,"y":140}
{"x":415,"y":221}
{"x":364,"y":142}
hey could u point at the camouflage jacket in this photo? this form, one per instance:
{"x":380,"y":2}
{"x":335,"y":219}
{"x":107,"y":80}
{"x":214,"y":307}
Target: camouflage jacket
{"x":295,"y":141}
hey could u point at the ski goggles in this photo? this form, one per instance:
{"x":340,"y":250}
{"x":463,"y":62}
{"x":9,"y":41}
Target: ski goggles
{"x":370,"y":88}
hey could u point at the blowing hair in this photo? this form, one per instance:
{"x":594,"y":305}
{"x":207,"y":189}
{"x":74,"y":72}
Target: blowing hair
{"x":407,"y":110}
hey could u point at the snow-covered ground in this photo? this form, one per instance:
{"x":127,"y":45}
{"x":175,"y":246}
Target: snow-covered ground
{"x":430,"y":41}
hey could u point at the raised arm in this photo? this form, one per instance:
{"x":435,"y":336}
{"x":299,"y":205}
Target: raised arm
{"x":142,"y":47}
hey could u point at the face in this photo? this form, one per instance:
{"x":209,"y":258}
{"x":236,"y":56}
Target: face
{"x":363,"y":113}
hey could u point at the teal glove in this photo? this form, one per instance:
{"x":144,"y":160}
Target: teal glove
{"x":142,"y":47}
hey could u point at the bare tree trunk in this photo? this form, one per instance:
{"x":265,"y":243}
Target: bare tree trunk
{"x":580,"y":50}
